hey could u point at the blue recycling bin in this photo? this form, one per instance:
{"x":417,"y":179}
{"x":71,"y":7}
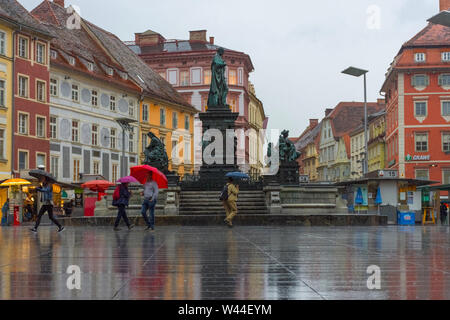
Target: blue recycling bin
{"x":406,"y":218}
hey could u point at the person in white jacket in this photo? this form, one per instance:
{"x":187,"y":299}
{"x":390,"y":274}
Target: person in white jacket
{"x":150,"y":195}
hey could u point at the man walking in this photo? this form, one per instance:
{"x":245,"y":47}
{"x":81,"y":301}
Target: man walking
{"x":230,"y":203}
{"x":121,"y":202}
{"x":443,"y":211}
{"x":47,"y":204}
{"x":5,"y":210}
{"x":150,"y":196}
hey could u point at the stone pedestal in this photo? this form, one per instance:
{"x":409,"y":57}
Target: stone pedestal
{"x":220,"y":119}
{"x":172,"y":206}
{"x":273,"y":200}
{"x":288,"y":174}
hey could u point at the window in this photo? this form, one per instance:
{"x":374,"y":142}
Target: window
{"x":23,"y":160}
{"x":445,"y":176}
{"x":172,"y":77}
{"x":96,"y":167}
{"x":162,"y":117}
{"x":40,"y":127}
{"x":446,"y":56}
{"x":110,"y":71}
{"x":420,"y":109}
{"x":112,"y":103}
{"x":40,"y":91}
{"x":115,"y":172}
{"x":52,"y":127}
{"x":54,"y":87}
{"x":76,"y":170}
{"x":23,"y":86}
{"x":40,"y":53}
{"x":94,"y":135}
{"x":94,"y":99}
{"x":422,"y":174}
{"x":240,"y":76}
{"x":420,"y":57}
{"x":184,"y":78}
{"x":446,"y":142}
{"x":174,"y":120}
{"x":23,"y":47}
{"x":144,"y":141}
{"x":420,"y":80}
{"x":186,"y":122}
{"x":90,"y":66}
{"x":113,"y":138}
{"x":75,"y":125}
{"x":207,"y":76}
{"x":2,"y":43}
{"x":54,"y":166}
{"x":131,"y":108}
{"x":40,"y":160}
{"x":23,"y":123}
{"x":2,"y":93}
{"x":232,"y":78}
{"x":446,"y":108}
{"x":131,"y":141}
{"x":444,"y":80}
{"x":187,"y":151}
{"x":2,"y":144}
{"x":72,"y":60}
{"x":54,"y":54}
{"x":145,"y":112}
{"x":75,"y":92}
{"x":196,"y":75}
{"x":421,"y":142}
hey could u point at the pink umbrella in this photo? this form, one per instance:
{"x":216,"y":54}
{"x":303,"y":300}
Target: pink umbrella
{"x":128,"y":179}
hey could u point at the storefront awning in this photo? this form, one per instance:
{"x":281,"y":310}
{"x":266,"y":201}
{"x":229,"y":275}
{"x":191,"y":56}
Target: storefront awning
{"x":442,"y":187}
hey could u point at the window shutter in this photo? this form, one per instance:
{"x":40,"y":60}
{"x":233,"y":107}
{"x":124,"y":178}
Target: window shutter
{"x":427,"y":80}
{"x":440,"y":80}
{"x":413,"y":81}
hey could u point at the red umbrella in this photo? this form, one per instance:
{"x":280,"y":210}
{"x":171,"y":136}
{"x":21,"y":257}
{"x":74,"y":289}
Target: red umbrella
{"x":141,"y":173}
{"x":97,"y":186}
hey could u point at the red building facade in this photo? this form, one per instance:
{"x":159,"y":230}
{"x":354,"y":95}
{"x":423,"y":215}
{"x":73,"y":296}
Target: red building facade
{"x":31,"y":90}
{"x":417,"y":89}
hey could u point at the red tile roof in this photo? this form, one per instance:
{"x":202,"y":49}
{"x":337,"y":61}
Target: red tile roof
{"x":431,"y":35}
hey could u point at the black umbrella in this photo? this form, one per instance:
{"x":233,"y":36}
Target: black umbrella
{"x":38,"y":173}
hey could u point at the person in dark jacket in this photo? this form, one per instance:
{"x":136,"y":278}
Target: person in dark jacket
{"x":443,"y":211}
{"x":47,"y":204}
{"x":121,"y":204}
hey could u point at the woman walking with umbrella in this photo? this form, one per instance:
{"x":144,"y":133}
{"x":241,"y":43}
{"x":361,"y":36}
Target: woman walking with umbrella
{"x":121,"y":198}
{"x":47,"y":203}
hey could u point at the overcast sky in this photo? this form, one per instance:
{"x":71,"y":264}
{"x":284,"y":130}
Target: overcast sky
{"x":298,"y":47}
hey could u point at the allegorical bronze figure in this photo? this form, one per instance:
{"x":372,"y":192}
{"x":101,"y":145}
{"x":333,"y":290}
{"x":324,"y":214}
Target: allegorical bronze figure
{"x":218,"y":90}
{"x":155,"y":154}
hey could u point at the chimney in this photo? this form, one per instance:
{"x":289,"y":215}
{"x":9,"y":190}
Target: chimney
{"x":211,"y":40}
{"x":198,"y":35}
{"x":327,"y":112}
{"x":444,"y":5}
{"x":60,"y":3}
{"x":313,"y":123}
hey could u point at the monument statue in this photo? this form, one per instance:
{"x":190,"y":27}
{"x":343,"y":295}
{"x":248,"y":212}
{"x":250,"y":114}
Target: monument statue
{"x":155,"y":154}
{"x":286,"y":147}
{"x":218,"y":90}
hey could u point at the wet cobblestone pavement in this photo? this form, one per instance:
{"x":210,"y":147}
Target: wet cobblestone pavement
{"x":196,"y":263}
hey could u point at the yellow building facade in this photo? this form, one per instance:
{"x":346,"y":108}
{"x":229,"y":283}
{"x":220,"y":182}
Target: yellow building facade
{"x":311,"y":161}
{"x":6,"y":97}
{"x":174,"y":125}
{"x":376,"y":144}
{"x":256,"y":120}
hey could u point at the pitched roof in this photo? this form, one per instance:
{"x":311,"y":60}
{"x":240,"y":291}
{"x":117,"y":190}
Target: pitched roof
{"x":12,"y":9}
{"x":431,"y":35}
{"x":308,"y":136}
{"x":95,"y":45}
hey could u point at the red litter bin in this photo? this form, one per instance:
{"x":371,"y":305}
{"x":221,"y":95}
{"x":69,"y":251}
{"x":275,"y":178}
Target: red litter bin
{"x":16,"y":216}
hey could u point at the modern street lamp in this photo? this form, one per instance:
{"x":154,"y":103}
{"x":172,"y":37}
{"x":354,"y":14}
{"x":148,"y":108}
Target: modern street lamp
{"x":356,"y":72}
{"x":125,"y":124}
{"x":442,"y":18}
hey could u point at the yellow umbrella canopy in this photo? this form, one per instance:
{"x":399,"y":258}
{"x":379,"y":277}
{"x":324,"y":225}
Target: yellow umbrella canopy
{"x":15,"y":182}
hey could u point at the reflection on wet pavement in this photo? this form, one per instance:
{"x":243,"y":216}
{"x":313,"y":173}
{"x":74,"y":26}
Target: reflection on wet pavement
{"x":195,"y":263}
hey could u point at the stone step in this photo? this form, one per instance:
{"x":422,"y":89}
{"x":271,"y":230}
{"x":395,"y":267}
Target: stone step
{"x":197,"y":213}
{"x":217,"y":201}
{"x":216,"y":196}
{"x":206,"y":208}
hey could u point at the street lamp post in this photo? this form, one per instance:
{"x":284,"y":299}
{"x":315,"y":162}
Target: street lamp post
{"x":125,"y":124}
{"x":356,"y":72}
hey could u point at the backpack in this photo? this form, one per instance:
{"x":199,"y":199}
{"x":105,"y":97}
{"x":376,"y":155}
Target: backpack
{"x":116,"y":194}
{"x":224,"y":194}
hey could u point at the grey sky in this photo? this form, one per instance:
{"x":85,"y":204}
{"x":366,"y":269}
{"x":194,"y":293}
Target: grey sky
{"x":298,"y":47}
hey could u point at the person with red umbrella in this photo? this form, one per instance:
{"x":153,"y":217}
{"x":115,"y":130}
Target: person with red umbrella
{"x":150,"y":194}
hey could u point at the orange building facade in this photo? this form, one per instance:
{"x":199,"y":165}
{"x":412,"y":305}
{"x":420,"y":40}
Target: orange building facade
{"x":417,"y":89}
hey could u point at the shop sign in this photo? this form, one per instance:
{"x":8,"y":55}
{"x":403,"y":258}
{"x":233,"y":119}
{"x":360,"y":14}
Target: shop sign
{"x":388,"y":173}
{"x":418,"y":157}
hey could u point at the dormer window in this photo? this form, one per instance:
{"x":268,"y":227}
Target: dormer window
{"x":72,"y":60}
{"x":90,"y":66}
{"x":420,"y":57}
{"x":53,"y":54}
{"x":446,"y":56}
{"x":110,"y":71}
